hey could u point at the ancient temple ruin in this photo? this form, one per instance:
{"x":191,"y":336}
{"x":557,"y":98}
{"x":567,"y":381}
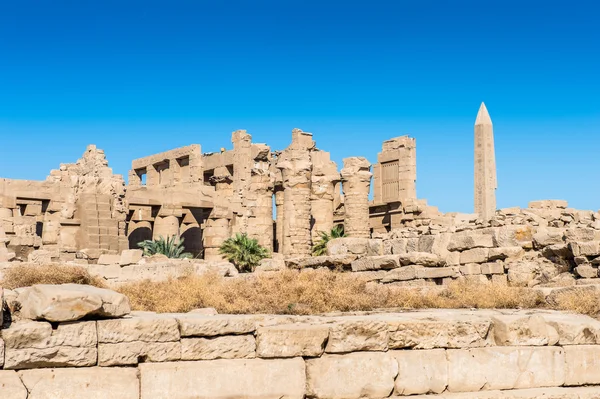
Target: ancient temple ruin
{"x":283,"y":198}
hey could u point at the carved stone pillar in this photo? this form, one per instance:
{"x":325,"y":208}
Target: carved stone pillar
{"x":279,"y":195}
{"x":165,"y":226}
{"x":218,"y":228}
{"x":295,"y":166}
{"x":356,"y":183}
{"x":323,"y":181}
{"x":259,"y":201}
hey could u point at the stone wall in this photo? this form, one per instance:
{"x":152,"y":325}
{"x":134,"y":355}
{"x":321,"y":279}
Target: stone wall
{"x":444,"y":353}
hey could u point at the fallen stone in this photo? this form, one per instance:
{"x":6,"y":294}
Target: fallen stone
{"x":586,"y":271}
{"x":291,"y":340}
{"x":354,"y":375}
{"x":204,"y":311}
{"x":223,"y":379}
{"x":585,"y":248}
{"x":226,"y":347}
{"x":67,"y":302}
{"x":505,"y":253}
{"x":547,"y":236}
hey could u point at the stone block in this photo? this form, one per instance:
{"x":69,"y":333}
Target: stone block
{"x":357,"y":335}
{"x":574,"y":329}
{"x":470,"y":269}
{"x":88,"y":383}
{"x":438,"y":329}
{"x":582,"y":365}
{"x":195,"y":325}
{"x":40,"y":256}
{"x":130,"y":256}
{"x":420,"y":258}
{"x":437,"y":272}
{"x":548,"y":204}
{"x":505,"y":253}
{"x":11,"y":386}
{"x":492,"y":268}
{"x":470,"y":239}
{"x":383,"y":262}
{"x":351,"y":376}
{"x":404,"y":273}
{"x":30,"y":344}
{"x":505,"y":368}
{"x":107,"y":259}
{"x":421,"y":371}
{"x":225,"y":347}
{"x":475,"y":255}
{"x":67,"y":302}
{"x":223,"y":379}
{"x":145,"y":328}
{"x":548,"y":236}
{"x":522,"y":330}
{"x":291,"y":340}
{"x":586,"y":271}
{"x":585,"y":248}
{"x":132,"y":353}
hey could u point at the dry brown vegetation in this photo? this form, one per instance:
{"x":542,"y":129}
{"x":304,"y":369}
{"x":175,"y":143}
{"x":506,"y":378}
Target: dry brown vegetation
{"x":26,"y":275}
{"x":313,"y":292}
{"x":307,"y":292}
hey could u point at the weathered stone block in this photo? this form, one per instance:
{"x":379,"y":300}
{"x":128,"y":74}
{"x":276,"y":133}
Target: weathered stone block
{"x":225,"y":347}
{"x":574,"y":329}
{"x":585,"y":248}
{"x":193,"y":325}
{"x":505,"y":253}
{"x":522,"y":330}
{"x":131,"y":353}
{"x":223,"y":379}
{"x":291,"y":340}
{"x":355,"y":375}
{"x":421,"y":371}
{"x":437,"y":272}
{"x":492,"y":268}
{"x":130,"y":256}
{"x":88,"y":383}
{"x":434,"y":330}
{"x":383,"y":262}
{"x":150,"y":328}
{"x":357,"y":335}
{"x":582,"y":365}
{"x":470,"y":269}
{"x":586,"y":271}
{"x":420,"y":258}
{"x":522,"y":367}
{"x":401,"y":274}
{"x":107,"y":259}
{"x":11,"y":386}
{"x":470,"y":239}
{"x":475,"y":255}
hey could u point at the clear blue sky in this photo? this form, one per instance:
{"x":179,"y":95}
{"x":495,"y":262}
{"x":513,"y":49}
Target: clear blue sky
{"x":140,"y":77}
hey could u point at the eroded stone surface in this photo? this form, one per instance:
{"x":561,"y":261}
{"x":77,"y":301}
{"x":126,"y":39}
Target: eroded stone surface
{"x":291,"y":340}
{"x":226,"y":347}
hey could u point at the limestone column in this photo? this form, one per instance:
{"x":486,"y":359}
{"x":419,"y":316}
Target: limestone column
{"x":295,"y":167}
{"x":356,"y":183}
{"x":218,"y":228}
{"x":242,"y":174}
{"x":323,"y":181}
{"x":279,"y":198}
{"x":485,"y":166}
{"x":259,"y":202}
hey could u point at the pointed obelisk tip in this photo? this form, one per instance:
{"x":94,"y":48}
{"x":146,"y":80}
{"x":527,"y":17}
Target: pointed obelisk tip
{"x":483,"y":117}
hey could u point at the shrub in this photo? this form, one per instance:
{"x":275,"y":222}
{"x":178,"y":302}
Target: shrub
{"x":320,"y":247}
{"x":244,"y":252}
{"x":171,"y":247}
{"x":27,"y":275}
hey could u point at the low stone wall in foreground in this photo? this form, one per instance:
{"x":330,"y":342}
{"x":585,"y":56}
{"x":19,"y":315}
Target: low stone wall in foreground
{"x":443,"y":353}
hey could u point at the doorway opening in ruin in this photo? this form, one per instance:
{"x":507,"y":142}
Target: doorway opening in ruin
{"x":191,"y":230}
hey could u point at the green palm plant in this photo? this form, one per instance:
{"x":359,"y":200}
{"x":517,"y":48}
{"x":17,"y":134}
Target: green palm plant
{"x":171,"y":247}
{"x":244,"y":252}
{"x":320,"y":247}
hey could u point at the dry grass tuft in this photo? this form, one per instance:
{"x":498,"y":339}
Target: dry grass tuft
{"x":27,"y":275}
{"x":313,"y":292}
{"x":585,"y":302}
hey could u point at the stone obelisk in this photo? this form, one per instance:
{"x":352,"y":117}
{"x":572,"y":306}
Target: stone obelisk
{"x":485,"y":166}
